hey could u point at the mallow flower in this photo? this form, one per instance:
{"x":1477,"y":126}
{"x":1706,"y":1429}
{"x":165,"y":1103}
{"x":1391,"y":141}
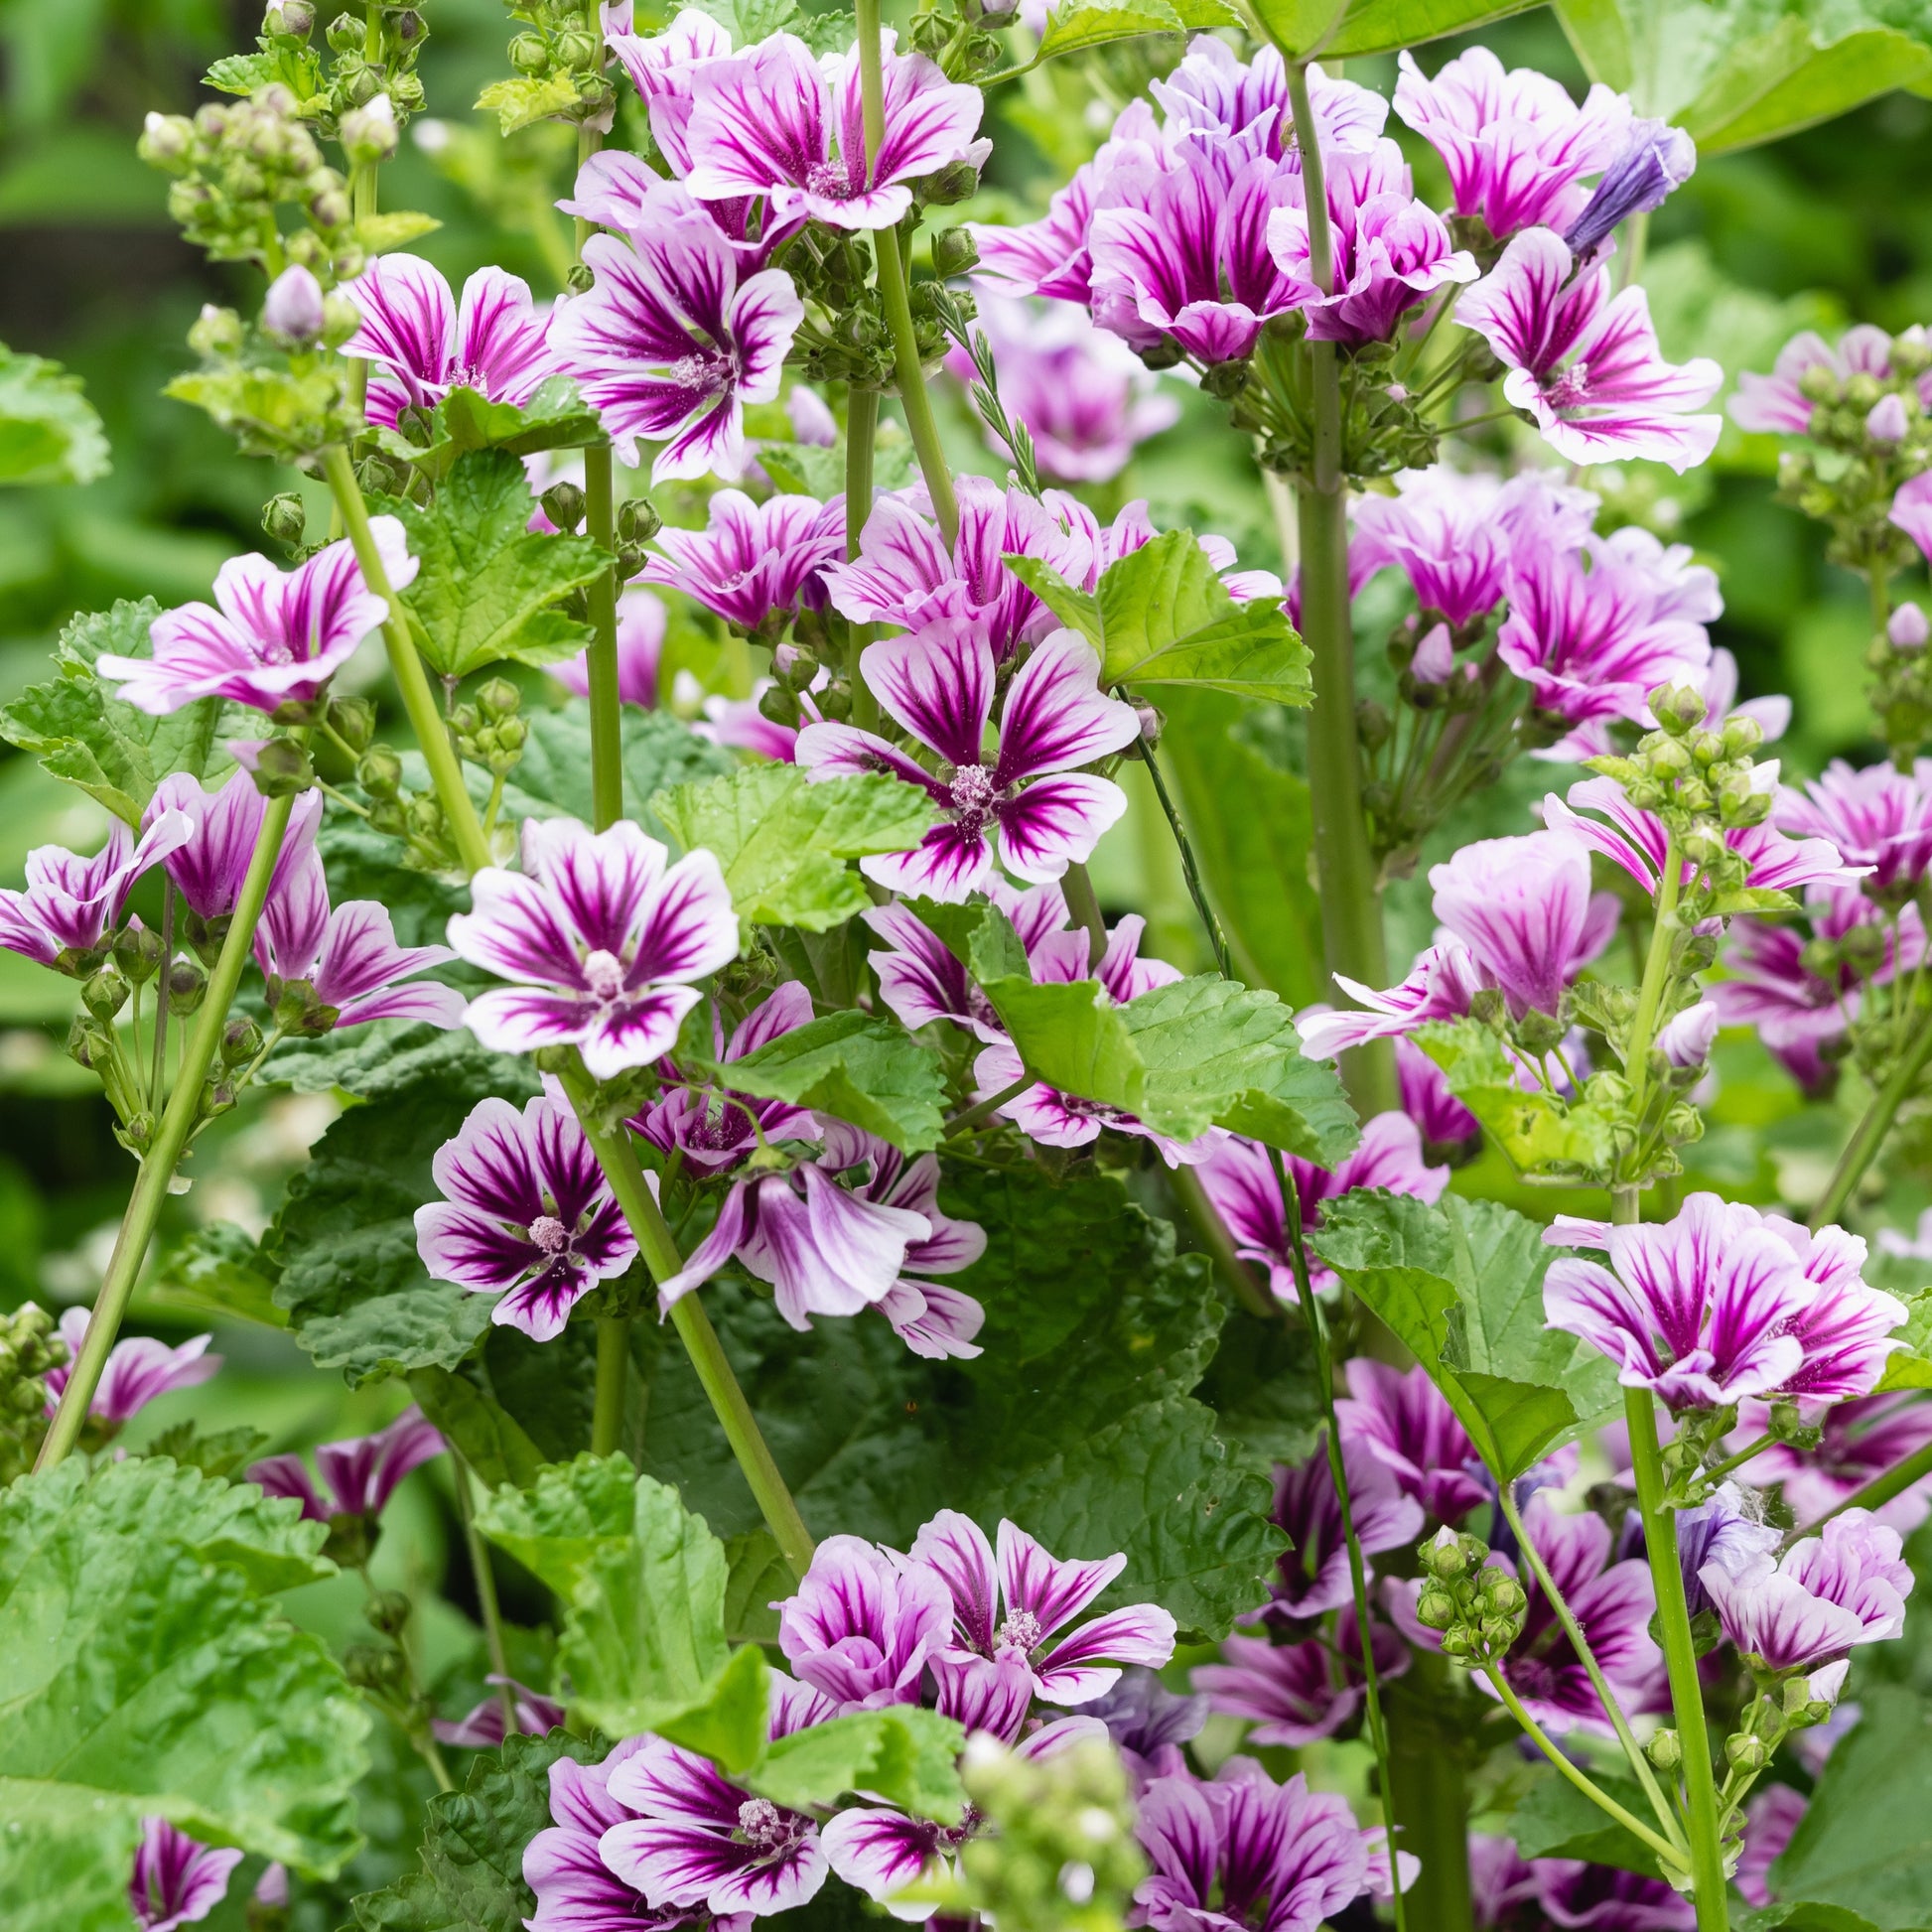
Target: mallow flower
{"x":359,"y":1475}
{"x":1584,"y":362}
{"x":1878,"y":818}
{"x":209,"y":866}
{"x":177,"y":1881}
{"x":1211,"y":95}
{"x":752,"y":561}
{"x":938,"y":684}
{"x":526,"y":1214}
{"x":272,"y":637}
{"x":422,"y":343}
{"x":71,"y":905}
{"x":1777,"y":404}
{"x":602,"y":939}
{"x":1859,"y":1441}
{"x":1311,"y":1575}
{"x":1403,"y":1420}
{"x":482,"y":1727}
{"x":1655,"y":161}
{"x":137,"y":1370}
{"x":1295,"y":1693}
{"x":1771,"y":1821}
{"x":862,"y":1624}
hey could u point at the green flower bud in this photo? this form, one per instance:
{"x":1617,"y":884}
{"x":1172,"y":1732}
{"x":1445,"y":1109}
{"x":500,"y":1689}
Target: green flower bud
{"x":186,"y":986}
{"x":954,"y":252}
{"x":282,"y":768}
{"x":529,"y":54}
{"x":1225,"y":380}
{"x":137,"y":952}
{"x":1747,"y":1752}
{"x":1436,"y":1608}
{"x":578,"y":51}
{"x":294,"y":19}
{"x":368,"y":133}
{"x":216,"y":333}
{"x":105,"y":993}
{"x":957,"y":183}
{"x":167,"y":141}
{"x":388,"y":1611}
{"x":286,"y":518}
{"x":637,"y":519}
{"x":1665,"y":1750}
{"x":242,"y":1040}
{"x":563,"y":504}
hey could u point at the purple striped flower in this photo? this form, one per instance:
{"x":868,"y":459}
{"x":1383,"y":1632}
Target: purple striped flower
{"x":277,"y":635}
{"x":754,"y":562}
{"x":1402,"y":1418}
{"x":176,"y":1880}
{"x":603,"y":939}
{"x":778,"y":121}
{"x":882,"y":1853}
{"x":642,"y":624}
{"x":1516,"y":146}
{"x":1311,"y":1574}
{"x":1441,"y":1119}
{"x":1149,"y":1723}
{"x":1389,"y":250}
{"x":137,"y":1370}
{"x":1827,"y":1595}
{"x":661,"y":65}
{"x":1771,"y":1821}
{"x":526,"y":1214}
{"x":1602,"y":1899}
{"x":938,"y":684}
{"x":1635,"y":841}
{"x":1245,"y":1852}
{"x":1011,"y":1612}
{"x":71,"y":905}
{"x":1584,"y":362}
{"x":1860,"y":1439}
{"x":1880,"y":818}
{"x":1239,"y":1179}
{"x":1501,"y":1881}
{"x":1776,"y":405}
{"x":348,"y":959}
{"x":904,"y":572}
{"x":422,"y":342}
{"x":359,"y":1475}
{"x":1295,"y":1693}
{"x":1210,"y":96}
{"x":862,"y":1624}
{"x":625,"y":192}
{"x":1794,"y":1011}
{"x":208,"y":866}
{"x":481,"y":1726}
{"x":670,"y":344}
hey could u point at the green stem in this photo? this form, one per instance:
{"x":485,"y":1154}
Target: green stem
{"x":485,"y":1579}
{"x":964,"y":1122}
{"x":1084,"y":905}
{"x":1877,"y":1493}
{"x":1666,"y":1816}
{"x":618,"y":1159}
{"x":1240,"y":1278}
{"x":1217,"y":939}
{"x":613,"y":1370}
{"x":861,"y":438}
{"x":1656,"y":969}
{"x":171,"y":1138}
{"x":432,"y":734}
{"x":1869,"y":1134}
{"x":1680,"y":1651}
{"x":588,"y":140}
{"x":607,"y":750}
{"x":1430,"y":1793}
{"x":158,"y":1065}
{"x":1317,"y":1328}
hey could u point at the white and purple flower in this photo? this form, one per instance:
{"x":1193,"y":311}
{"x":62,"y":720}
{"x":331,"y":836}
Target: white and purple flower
{"x":1878,"y":818}
{"x":482,"y":1727}
{"x":208,"y":866}
{"x":1776,"y":405}
{"x":752,"y":562}
{"x":177,"y":1881}
{"x":359,"y":1475}
{"x":642,"y":624}
{"x":1311,"y":1574}
{"x":1295,"y":1693}
{"x":71,"y":905}
{"x":137,"y":1370}
{"x":864,"y":1624}
{"x":1403,"y":1420}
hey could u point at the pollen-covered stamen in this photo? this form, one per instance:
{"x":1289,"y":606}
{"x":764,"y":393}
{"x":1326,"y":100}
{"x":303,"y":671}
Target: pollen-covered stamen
{"x":707,"y":372}
{"x":831,"y":178}
{"x":604,"y":974}
{"x":972,"y":796}
{"x":763,"y":1824}
{"x":549,"y":1234}
{"x":1021,"y":1631}
{"x":275,"y":651}
{"x":1567,"y":390}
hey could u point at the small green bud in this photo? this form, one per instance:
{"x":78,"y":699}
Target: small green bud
{"x":563,"y":504}
{"x":368,"y":133}
{"x":1164,"y":355}
{"x":293,"y":19}
{"x":1225,"y":380}
{"x":637,"y":519}
{"x":1444,"y":1557}
{"x":1665,"y":1750}
{"x":105,"y":993}
{"x":1679,"y":708}
{"x":1436,"y":1608}
{"x":1503,"y":1594}
{"x":408,"y":27}
{"x":529,"y":54}
{"x":282,"y":768}
{"x":380,"y":772}
{"x":957,"y":183}
{"x":242,"y":1040}
{"x":577,"y":50}
{"x":137,"y":952}
{"x":387,"y":1612}
{"x":580,"y":280}
{"x":344,"y":34}
{"x":285,"y":518}
{"x":780,"y":706}
{"x":167,"y":141}
{"x":216,"y":333}
{"x":954,"y":252}
{"x":186,"y":986}
{"x":1747,"y":1752}
{"x":499,"y":698}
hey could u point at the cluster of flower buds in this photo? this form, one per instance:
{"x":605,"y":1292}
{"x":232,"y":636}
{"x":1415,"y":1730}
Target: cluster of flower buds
{"x":1477,"y":1605}
{"x":960,"y":39}
{"x":487,"y":730}
{"x":1873,"y":434}
{"x":29,"y":1345}
{"x":373,"y":86}
{"x":559,"y":59}
{"x":847,"y":341}
{"x":1901,"y":688}
{"x":1270,"y":397}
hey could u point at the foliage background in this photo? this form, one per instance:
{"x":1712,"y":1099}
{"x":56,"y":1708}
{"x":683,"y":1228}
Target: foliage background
{"x":1832,"y":226}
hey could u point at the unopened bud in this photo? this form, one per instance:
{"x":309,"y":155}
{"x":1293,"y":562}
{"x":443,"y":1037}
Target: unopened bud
{"x":242,"y":1040}
{"x":353,"y":720}
{"x":285,"y":518}
{"x":282,"y":768}
{"x":1747,"y":1752}
{"x":1665,"y":1750}
{"x":957,"y":183}
{"x":216,"y":333}
{"x":1444,"y":1556}
{"x":1435,"y":1608}
{"x":293,"y":312}
{"x":1887,"y":422}
{"x":529,"y":54}
{"x":105,"y":993}
{"x":369,"y":132}
{"x":497,"y":697}
{"x":380,"y":772}
{"x":1224,"y":380}
{"x":187,"y":984}
{"x":954,"y":252}
{"x":137,"y":952}
{"x":167,"y":140}
{"x":577,"y":50}
{"x":388,"y":1611}
{"x":1679,"y":708}
{"x":563,"y":504}
{"x":295,"y":19}
{"x":1908,"y":628}
{"x":408,"y":27}
{"x":637,"y":521}
{"x":1503,"y":1594}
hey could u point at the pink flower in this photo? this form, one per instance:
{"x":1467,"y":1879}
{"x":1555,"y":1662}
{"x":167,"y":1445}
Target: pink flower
{"x":137,"y":1370}
{"x":602,"y":938}
{"x":1010,"y":1612}
{"x":938,"y":684}
{"x":754,"y":562}
{"x":1584,"y":363}
{"x":775,"y":121}
{"x":1295,"y":1693}
{"x":1655,"y":161}
{"x":1770,"y":1821}
{"x":641,"y":623}
{"x":1861,"y":1439}
{"x":176,"y":1882}
{"x":71,"y":905}
{"x":526,"y":1214}
{"x":481,"y":1726}
{"x":1601,"y":1898}
{"x":1081,"y":393}
{"x":1311,"y":1574}
{"x":424,"y":343}
{"x":1212,"y":96}
{"x":208,"y":868}
{"x":1795,"y":1012}
{"x":293,"y":311}
{"x":278,"y":635}
{"x":1515,"y":145}
{"x":625,"y":192}
{"x":669,"y":345}
{"x":1239,"y":1179}
{"x":1878,"y":818}
{"x":1440,"y":986}
{"x":862,"y":1624}
{"x":661,"y":65}
{"x":359,"y":1475}
{"x":1776,"y":405}
{"x":1404,"y":1421}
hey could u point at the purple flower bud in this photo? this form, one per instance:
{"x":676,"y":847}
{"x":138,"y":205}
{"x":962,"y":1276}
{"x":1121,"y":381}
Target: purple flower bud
{"x":1889,"y":421}
{"x":1435,"y":658}
{"x":1686,"y":1042}
{"x":1908,"y":628}
{"x":294,"y":309}
{"x":1656,"y":159}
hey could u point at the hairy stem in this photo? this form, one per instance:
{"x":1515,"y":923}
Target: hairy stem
{"x":171,"y":1138}
{"x":486,"y":1579}
{"x":1680,"y":1652}
{"x":618,"y":1159}
{"x":432,"y":734}
{"x":607,"y":750}
{"x":1873,"y":1124}
{"x":861,"y":438}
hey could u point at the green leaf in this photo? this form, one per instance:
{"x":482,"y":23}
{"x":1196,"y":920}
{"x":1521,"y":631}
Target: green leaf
{"x":554,"y":417}
{"x":783,"y":842}
{"x":730,"y":1724}
{"x":1543,"y":1137}
{"x":486,"y":581}
{"x":812,"y":470}
{"x":471,"y":1875}
{"x":1384,"y":26}
{"x":760,"y":1576}
{"x":216,"y":1269}
{"x":1263,"y":1386}
{"x":1865,"y":1845}
{"x":1911,"y":1366}
{"x":65,"y":1859}
{"x":225,"y":1452}
{"x":1160,"y":615}
{"x":49,"y":431}
{"x":858,"y":1070}
{"x":1461,"y":1282}
{"x":659,"y":751}
{"x":397,"y":228}
{"x":273,"y":412}
{"x":356,"y":1294}
{"x":1557,"y":1821}
{"x":520,"y":102}
{"x":1075,"y":25}
{"x":484,"y":1433}
{"x":145,"y":1676}
{"x":91,"y":738}
{"x":556,"y":1524}
{"x":902,"y":1754}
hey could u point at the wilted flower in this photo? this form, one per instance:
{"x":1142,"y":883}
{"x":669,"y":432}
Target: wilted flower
{"x":359,"y":1475}
{"x":277,"y":637}
{"x":176,"y":1882}
{"x":1656,"y":160}
{"x":137,"y":1370}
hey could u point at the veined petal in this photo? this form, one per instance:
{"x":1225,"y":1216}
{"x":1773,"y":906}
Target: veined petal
{"x":1052,"y":1588}
{"x":1144,"y":1633}
{"x":938,"y":684}
{"x":955,"y":1547}
{"x":948,"y":864}
{"x":1055,"y":716}
{"x":1056,"y":822}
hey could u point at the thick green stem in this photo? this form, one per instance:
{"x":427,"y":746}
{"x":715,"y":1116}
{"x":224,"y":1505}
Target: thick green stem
{"x":607,"y":750}
{"x":171,"y":1138}
{"x":618,"y":1159}
{"x":1083,"y":904}
{"x":613,"y":1372}
{"x":1680,"y":1651}
{"x":1428,"y":1792}
{"x":968,"y":1118}
{"x":432,"y":734}
{"x":861,"y":438}
{"x":485,"y":1580}
{"x":1877,"y":1122}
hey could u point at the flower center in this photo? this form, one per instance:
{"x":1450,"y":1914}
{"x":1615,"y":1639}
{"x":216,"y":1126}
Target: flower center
{"x":763,"y":1824}
{"x":707,"y":371}
{"x":275,"y":651}
{"x":1567,"y":390}
{"x":1021,"y":1631}
{"x":829,"y":178}
{"x":549,"y":1234}
{"x":604,"y":974}
{"x":972,"y":796}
